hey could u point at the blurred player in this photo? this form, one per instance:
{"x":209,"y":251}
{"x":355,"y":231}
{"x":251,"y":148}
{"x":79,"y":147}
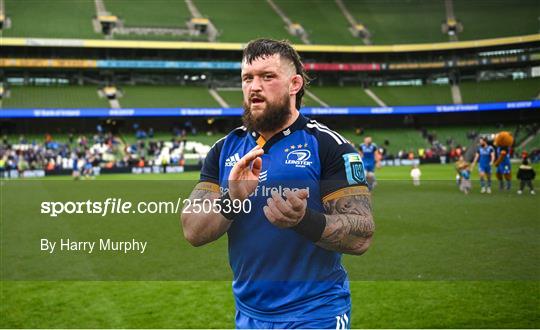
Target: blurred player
{"x":369,"y":151}
{"x":485,"y":156}
{"x":76,"y":166}
{"x":286,"y":252}
{"x":88,"y":169}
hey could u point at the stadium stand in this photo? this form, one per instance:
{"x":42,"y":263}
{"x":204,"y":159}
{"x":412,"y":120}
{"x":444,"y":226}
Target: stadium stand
{"x":166,"y":97}
{"x":398,"y":139}
{"x":534,"y":144}
{"x":159,"y":20}
{"x":493,"y":19}
{"x":322,"y":20}
{"x":33,"y":19}
{"x":156,"y":13}
{"x":54,"y":97}
{"x":155,"y":96}
{"x":411,"y":95}
{"x":398,"y":22}
{"x":500,"y":90}
{"x":388,"y":22}
{"x":233,"y":97}
{"x":464,"y":135}
{"x":264,"y":23}
{"x":343,"y":96}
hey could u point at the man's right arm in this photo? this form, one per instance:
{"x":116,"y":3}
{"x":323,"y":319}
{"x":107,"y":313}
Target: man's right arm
{"x":203,"y":227}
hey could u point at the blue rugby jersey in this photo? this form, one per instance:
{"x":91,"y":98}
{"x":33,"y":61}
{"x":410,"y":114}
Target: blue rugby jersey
{"x":368,"y":152}
{"x":484,"y":153}
{"x":279,"y":275}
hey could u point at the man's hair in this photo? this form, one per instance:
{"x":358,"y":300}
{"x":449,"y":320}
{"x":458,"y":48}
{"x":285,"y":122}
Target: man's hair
{"x":262,"y":48}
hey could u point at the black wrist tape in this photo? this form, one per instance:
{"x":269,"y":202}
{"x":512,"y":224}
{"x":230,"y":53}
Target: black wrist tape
{"x":312,"y":225}
{"x":226,"y":208}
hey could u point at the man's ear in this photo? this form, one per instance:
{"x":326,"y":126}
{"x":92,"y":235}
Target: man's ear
{"x":296,"y":84}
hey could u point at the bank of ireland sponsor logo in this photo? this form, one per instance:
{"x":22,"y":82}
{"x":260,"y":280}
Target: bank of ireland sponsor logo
{"x":298,"y":155}
{"x":263,"y":176}
{"x":232,"y":160}
{"x":354,"y":168}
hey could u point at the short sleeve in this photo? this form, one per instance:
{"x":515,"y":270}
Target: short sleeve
{"x":210,"y":168}
{"x":341,"y":167}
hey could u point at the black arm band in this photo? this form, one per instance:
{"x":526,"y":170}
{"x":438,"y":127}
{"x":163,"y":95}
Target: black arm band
{"x":312,"y":225}
{"x":226,"y":209}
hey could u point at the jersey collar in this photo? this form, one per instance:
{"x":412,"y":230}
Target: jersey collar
{"x":298,"y":124}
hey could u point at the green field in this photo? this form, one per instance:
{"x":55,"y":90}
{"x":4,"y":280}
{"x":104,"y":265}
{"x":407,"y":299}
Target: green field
{"x":439,"y":259}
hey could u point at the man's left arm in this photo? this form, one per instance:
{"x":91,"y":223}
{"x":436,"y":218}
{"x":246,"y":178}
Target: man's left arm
{"x":349,"y":223}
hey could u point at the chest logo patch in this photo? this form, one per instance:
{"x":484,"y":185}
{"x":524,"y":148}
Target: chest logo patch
{"x":299,"y":158}
{"x":298,"y":155}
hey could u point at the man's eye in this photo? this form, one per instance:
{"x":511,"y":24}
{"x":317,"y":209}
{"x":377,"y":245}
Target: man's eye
{"x":248,"y":79}
{"x":268,"y":77}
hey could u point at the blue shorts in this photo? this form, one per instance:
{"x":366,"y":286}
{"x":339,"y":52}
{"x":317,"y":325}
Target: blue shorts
{"x":342,"y":321}
{"x":484,"y":168}
{"x":369,"y":167}
{"x":504,"y":168}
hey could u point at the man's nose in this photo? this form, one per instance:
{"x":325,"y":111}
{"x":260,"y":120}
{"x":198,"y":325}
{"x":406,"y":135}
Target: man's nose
{"x":256,"y":84}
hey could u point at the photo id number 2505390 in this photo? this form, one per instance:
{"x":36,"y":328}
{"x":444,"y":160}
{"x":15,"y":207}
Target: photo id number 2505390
{"x":198,"y":205}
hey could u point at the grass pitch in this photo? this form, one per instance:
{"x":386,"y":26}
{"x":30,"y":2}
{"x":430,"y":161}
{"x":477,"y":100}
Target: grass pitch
{"x":439,"y":259}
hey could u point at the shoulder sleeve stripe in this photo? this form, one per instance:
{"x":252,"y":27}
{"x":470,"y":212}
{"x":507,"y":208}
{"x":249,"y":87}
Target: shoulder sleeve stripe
{"x":328,"y":130}
{"x":334,"y":136}
{"x":218,"y":141}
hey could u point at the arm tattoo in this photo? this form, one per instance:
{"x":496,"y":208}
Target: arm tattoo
{"x":349,"y":224}
{"x":203,"y":194}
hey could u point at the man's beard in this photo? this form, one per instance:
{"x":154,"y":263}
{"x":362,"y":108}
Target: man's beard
{"x":271,"y":119}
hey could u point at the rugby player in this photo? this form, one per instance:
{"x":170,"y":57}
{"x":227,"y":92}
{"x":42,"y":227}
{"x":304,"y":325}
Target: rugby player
{"x":485,"y":156}
{"x":369,"y":152}
{"x":309,"y":198}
